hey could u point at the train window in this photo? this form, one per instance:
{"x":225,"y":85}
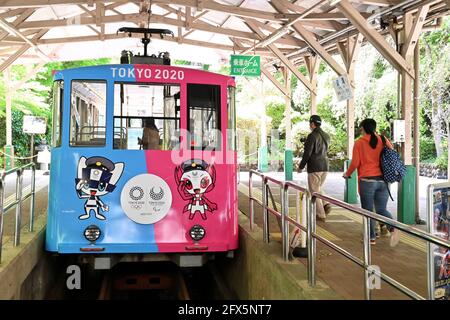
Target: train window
{"x":204,"y":116}
{"x":146,"y":116}
{"x":88,"y":113}
{"x":58,"y":95}
{"x":231,"y":132}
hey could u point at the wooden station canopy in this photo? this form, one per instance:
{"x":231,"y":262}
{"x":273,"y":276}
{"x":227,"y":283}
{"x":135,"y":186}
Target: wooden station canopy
{"x":279,"y":30}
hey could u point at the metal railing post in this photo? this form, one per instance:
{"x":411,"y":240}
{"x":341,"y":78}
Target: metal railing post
{"x":367,"y":257}
{"x":284,"y":223}
{"x":32,"y":199}
{"x":2,"y":198}
{"x":265,"y":202}
{"x":250,"y":200}
{"x":19,"y":180}
{"x":311,"y":242}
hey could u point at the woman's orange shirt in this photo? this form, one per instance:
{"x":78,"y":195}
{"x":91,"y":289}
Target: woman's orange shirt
{"x":366,"y":159}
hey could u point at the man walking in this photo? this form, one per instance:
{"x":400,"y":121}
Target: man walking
{"x":315,"y":157}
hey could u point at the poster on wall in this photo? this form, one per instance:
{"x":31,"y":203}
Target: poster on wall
{"x":439,"y":220}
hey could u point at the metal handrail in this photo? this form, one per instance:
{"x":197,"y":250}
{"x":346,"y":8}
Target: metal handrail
{"x":283,"y":215}
{"x":312,"y":235}
{"x":17,"y":203}
{"x":398,"y":225}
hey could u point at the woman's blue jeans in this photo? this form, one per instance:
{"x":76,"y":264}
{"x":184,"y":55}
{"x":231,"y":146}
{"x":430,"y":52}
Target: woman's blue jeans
{"x":374,"y":193}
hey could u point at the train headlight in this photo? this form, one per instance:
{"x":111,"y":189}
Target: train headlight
{"x":197,"y":232}
{"x":92,"y":233}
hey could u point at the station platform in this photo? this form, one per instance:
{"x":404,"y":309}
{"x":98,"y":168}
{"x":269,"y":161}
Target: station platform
{"x":406,"y":263}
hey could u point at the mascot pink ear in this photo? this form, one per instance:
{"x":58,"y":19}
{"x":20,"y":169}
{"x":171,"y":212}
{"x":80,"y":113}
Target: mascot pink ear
{"x":212,"y":172}
{"x":178,"y":174}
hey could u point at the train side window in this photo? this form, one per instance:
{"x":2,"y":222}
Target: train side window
{"x":88,"y":114}
{"x":146,"y":116}
{"x":231,"y":132}
{"x":204,"y":116}
{"x":58,"y":96}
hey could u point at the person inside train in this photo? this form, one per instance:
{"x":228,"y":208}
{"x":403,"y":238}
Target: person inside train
{"x":373,"y":190}
{"x":150,"y":135}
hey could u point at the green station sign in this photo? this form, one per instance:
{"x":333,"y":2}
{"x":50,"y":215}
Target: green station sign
{"x":248,"y":66}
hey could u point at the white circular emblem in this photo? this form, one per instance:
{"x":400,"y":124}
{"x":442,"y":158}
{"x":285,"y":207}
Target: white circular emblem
{"x":146,"y":198}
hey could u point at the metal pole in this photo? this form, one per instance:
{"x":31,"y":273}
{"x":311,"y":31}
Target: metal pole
{"x":32,"y":199}
{"x":250,"y":200}
{"x":431,"y":247}
{"x":18,"y":207}
{"x":312,"y":242}
{"x":367,"y":259}
{"x":2,"y":197}
{"x":31,"y":147}
{"x":265,"y":197}
{"x":417,"y":124}
{"x":303,"y":220}
{"x":284,"y":222}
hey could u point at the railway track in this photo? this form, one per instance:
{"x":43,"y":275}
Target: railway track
{"x":128,"y":283}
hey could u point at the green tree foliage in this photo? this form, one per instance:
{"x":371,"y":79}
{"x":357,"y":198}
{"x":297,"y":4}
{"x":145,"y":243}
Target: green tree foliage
{"x":34,"y":98}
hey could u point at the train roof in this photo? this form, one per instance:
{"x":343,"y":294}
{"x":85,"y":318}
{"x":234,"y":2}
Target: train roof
{"x":104,"y":72}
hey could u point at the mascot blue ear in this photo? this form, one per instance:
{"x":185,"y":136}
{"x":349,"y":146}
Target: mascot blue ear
{"x":117,"y":172}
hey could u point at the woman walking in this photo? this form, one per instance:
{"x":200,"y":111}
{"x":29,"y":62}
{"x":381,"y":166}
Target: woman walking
{"x":373,"y":190}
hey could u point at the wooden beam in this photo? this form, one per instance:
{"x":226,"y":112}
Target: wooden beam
{"x":20,"y":19}
{"x":14,"y":57}
{"x":11,"y":28}
{"x":46,"y":3}
{"x":188,"y":18}
{"x":137,"y":18}
{"x":320,"y":16}
{"x":12,"y":13}
{"x":374,"y":37}
{"x":285,"y":38}
{"x":311,"y":40}
{"x":215,"y":6}
{"x":277,"y":84}
{"x":380,"y":3}
{"x":180,"y":27}
{"x":313,"y":64}
{"x":322,"y":24}
{"x":115,"y":36}
{"x":414,"y":33}
{"x":281,"y":56}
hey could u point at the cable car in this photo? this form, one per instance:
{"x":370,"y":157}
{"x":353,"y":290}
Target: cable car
{"x":143,"y":161}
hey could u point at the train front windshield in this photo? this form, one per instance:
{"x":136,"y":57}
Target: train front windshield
{"x":142,"y":164}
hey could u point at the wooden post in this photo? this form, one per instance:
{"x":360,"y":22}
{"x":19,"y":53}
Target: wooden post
{"x":312,"y":64}
{"x":8,"y":107}
{"x":9,"y":149}
{"x":349,"y":53}
{"x":288,"y":155}
{"x":287,"y":112}
{"x":406,"y":93}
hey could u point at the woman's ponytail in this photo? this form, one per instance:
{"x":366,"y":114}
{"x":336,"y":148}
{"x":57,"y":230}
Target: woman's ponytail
{"x":370,"y":126}
{"x":373,"y":140}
